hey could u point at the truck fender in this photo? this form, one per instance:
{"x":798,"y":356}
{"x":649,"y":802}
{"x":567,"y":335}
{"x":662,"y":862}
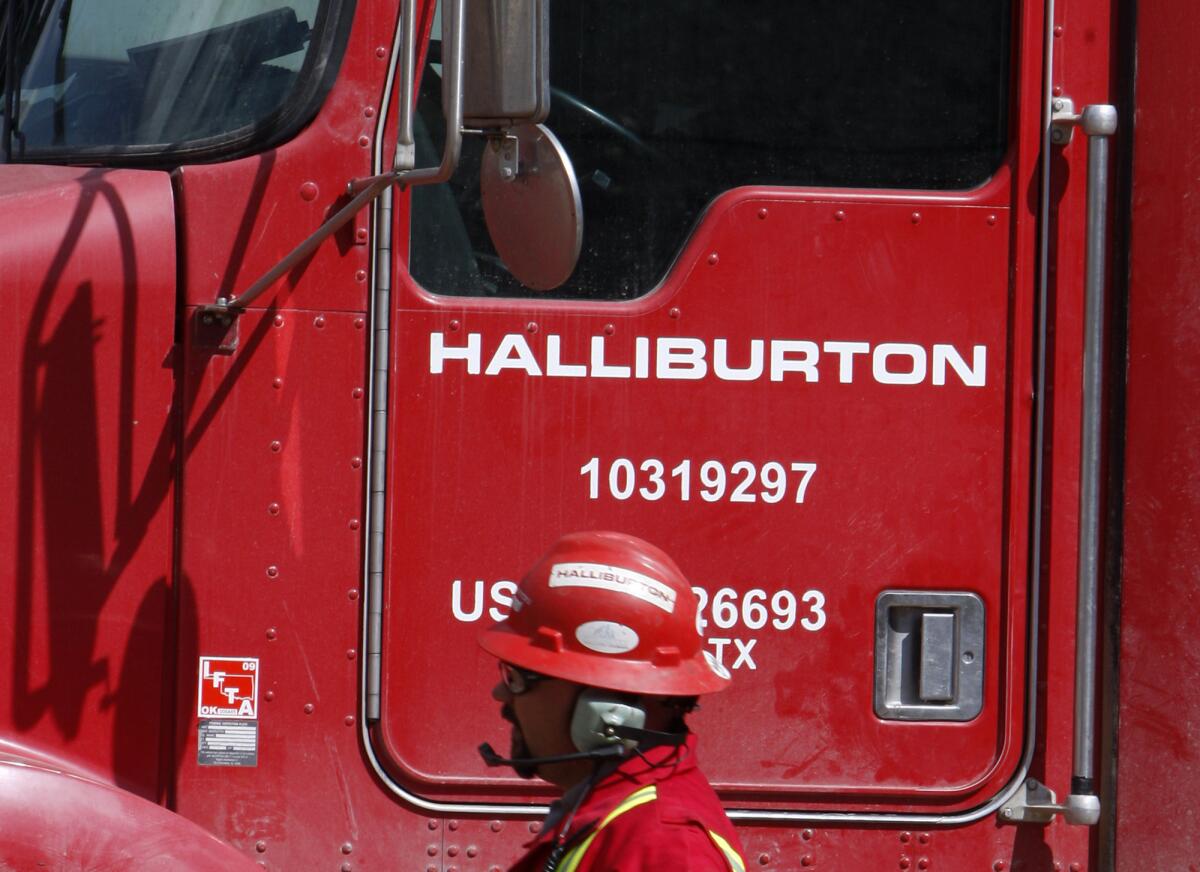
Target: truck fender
{"x":55,"y":819}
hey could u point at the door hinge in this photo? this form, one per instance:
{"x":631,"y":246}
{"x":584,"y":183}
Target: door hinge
{"x":215,"y":328}
{"x":1063,"y":120}
{"x":1035,"y":803}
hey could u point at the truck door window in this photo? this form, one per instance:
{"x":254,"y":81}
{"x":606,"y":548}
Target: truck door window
{"x":663,"y":105}
{"x":131,"y":78}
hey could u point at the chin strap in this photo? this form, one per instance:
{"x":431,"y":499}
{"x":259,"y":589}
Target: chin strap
{"x":642,"y":739}
{"x":645,"y":739}
{"x":491,"y":758}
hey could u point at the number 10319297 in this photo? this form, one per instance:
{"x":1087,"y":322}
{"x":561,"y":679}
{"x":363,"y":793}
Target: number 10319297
{"x":742,"y":481}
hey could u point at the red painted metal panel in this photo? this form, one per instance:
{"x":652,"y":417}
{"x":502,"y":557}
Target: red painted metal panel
{"x":273,"y":448}
{"x":271,"y":550}
{"x":271,"y":532}
{"x":88,"y":281}
{"x":270,"y":519}
{"x":908,"y":493}
{"x":1159,"y":710}
{"x":459,"y":416}
{"x":239,"y":218}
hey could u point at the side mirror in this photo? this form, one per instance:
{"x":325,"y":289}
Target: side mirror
{"x":532,"y":206}
{"x":500,"y":88}
{"x":506,"y":72}
{"x":529,"y":192}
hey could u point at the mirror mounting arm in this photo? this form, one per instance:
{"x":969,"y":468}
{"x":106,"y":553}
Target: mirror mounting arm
{"x":406,"y":152}
{"x":403,"y":171}
{"x":363,"y":191}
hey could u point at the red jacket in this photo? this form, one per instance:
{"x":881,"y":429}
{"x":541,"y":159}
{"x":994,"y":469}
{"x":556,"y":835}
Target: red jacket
{"x":675,"y":822}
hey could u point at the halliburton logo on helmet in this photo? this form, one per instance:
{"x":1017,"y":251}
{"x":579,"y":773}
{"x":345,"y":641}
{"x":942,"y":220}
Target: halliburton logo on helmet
{"x":614,"y":578}
{"x":607,"y":637}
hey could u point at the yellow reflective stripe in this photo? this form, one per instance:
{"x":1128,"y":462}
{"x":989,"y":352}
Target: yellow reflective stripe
{"x":574,"y":857}
{"x":736,"y":863}
{"x":649,"y":793}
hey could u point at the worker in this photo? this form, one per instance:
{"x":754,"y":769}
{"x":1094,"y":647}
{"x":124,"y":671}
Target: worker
{"x":601,"y":659}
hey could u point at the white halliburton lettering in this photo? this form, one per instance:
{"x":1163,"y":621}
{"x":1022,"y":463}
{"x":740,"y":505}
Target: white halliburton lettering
{"x":626,"y":581}
{"x":688,"y":359}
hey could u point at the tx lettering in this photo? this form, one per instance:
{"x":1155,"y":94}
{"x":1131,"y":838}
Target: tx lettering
{"x":743,"y":647}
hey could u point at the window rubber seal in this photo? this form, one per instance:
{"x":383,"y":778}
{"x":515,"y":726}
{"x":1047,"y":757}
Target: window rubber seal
{"x":330,"y":34}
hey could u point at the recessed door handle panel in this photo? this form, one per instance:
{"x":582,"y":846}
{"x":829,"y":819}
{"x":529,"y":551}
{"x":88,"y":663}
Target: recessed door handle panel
{"x":928,"y":655}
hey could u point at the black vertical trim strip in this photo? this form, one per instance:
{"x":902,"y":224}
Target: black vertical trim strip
{"x":1123,"y":86}
{"x":8,"y":48}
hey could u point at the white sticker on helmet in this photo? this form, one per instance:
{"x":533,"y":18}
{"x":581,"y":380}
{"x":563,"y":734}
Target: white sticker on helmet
{"x":716,"y":666}
{"x":607,"y":637}
{"x":626,"y":581}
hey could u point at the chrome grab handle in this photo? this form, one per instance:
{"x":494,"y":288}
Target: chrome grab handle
{"x":1099,"y":122}
{"x":1036,"y":803}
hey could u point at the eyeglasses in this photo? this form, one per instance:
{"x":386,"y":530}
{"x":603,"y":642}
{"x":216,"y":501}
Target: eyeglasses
{"x":518,"y":680}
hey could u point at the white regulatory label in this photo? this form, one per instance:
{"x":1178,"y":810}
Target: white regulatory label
{"x":626,"y":581}
{"x":227,"y":743}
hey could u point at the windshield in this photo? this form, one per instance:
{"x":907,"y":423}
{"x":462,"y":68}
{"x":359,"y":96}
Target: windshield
{"x":82,"y":76}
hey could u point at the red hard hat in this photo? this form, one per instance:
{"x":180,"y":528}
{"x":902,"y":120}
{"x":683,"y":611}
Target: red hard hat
{"x":612,"y":611}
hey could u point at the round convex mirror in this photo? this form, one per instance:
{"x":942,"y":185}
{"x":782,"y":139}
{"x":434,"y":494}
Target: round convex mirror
{"x":531,"y":205}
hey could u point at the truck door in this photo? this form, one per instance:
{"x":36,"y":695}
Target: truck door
{"x":797,"y":352}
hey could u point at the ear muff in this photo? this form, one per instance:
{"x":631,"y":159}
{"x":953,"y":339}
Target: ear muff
{"x":597,"y":716}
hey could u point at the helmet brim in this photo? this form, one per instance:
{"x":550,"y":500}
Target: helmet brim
{"x":691,"y":677}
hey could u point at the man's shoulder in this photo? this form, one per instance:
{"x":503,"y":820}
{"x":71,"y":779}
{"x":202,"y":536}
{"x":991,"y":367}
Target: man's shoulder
{"x":688,"y":797}
{"x":654,"y":837}
{"x":671,"y":832}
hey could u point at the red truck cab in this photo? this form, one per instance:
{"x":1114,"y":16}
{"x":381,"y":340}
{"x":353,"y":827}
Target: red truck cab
{"x":326,"y":318}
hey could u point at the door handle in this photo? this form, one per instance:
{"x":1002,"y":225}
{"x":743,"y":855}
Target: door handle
{"x":929,"y":655}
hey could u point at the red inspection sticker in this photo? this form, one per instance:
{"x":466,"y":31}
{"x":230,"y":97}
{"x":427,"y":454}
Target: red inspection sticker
{"x":228,"y":688}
